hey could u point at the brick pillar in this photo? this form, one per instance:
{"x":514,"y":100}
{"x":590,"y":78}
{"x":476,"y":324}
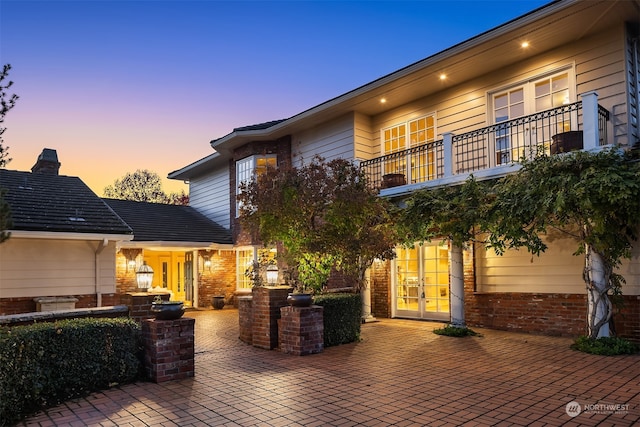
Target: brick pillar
{"x":301,"y":330}
{"x":169,"y":349}
{"x":267,"y":302}
{"x":245,"y":319}
{"x":140,"y":304}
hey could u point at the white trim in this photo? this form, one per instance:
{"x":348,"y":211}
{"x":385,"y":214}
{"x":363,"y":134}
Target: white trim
{"x":54,"y":235}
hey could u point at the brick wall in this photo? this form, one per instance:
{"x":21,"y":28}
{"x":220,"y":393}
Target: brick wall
{"x":381,"y":289}
{"x":301,"y":330}
{"x":27,"y":305}
{"x":169,"y":349}
{"x":282,"y":148}
{"x":125,"y":276}
{"x":219,"y":279}
{"x":266,"y":304}
{"x":245,"y":316}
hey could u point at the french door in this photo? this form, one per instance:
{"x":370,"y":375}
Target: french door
{"x":513,"y":141}
{"x":421,"y":282}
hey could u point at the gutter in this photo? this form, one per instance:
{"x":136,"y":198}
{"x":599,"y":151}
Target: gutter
{"x":103,"y":244}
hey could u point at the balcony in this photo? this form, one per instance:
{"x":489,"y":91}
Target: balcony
{"x":491,"y":151}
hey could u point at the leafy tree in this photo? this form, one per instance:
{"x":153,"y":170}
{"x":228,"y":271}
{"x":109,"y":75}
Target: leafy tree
{"x":325,"y":216}
{"x":456,"y":213}
{"x":143,"y":186}
{"x":592,"y":197}
{"x":7,"y":102}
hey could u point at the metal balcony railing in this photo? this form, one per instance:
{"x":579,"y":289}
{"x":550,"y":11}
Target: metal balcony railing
{"x":486,"y":148}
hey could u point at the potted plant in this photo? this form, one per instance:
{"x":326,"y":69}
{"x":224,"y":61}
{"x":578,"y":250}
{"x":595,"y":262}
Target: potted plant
{"x":166,"y":310}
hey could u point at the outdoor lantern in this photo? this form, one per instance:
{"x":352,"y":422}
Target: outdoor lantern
{"x":144,"y":276}
{"x":272,"y":274}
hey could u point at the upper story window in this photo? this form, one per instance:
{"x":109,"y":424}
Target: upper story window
{"x":417,"y":167}
{"x":534,"y":96}
{"x":252,"y":166}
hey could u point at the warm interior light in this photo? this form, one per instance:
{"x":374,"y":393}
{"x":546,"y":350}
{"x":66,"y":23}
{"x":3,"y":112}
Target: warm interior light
{"x":383,"y":100}
{"x":443,"y":76}
{"x":524,"y":44}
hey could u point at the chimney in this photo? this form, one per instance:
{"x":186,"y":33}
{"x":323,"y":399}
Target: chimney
{"x":47,"y":162}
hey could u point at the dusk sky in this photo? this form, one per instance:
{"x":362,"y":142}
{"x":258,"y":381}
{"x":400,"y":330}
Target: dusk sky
{"x":120,"y":85}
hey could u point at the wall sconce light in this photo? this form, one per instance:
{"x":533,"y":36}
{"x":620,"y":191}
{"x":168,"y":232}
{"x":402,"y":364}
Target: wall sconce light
{"x":272,"y":274}
{"x":207,"y":262}
{"x":130,"y":255}
{"x":144,"y":276}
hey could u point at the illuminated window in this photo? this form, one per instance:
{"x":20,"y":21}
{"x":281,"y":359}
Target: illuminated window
{"x":249,"y":167}
{"x":245,"y":258}
{"x":414,"y":133}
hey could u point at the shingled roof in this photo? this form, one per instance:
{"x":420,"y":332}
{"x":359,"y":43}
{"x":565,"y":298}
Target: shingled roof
{"x":57,"y":203}
{"x":168,"y":223}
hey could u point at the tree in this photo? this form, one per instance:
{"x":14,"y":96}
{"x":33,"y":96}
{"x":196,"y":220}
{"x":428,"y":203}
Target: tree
{"x":324,"y":214}
{"x":592,"y":197}
{"x":7,"y":102}
{"x":143,"y":186}
{"x":456,"y":213}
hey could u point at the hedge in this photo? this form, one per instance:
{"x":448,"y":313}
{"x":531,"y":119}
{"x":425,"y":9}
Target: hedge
{"x":342,"y":317}
{"x":44,"y":364}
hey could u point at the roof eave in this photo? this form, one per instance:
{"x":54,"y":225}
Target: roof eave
{"x":22,"y":234}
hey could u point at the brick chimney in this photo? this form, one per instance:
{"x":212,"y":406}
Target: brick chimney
{"x":47,"y":162}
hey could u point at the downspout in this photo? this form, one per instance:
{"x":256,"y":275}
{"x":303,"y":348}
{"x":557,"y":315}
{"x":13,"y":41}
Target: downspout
{"x":101,"y":246}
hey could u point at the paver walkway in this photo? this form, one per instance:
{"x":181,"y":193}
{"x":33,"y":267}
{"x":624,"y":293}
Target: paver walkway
{"x":400,"y":374}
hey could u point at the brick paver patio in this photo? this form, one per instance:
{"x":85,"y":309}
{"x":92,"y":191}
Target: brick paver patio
{"x":400,"y":374}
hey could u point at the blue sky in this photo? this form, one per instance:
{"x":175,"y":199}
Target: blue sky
{"x":120,"y":85}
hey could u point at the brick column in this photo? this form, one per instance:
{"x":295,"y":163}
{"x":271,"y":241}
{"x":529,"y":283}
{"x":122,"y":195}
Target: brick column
{"x":140,"y":304}
{"x":169,"y":349}
{"x":267,"y":302}
{"x":245,"y":317}
{"x":301,"y":330}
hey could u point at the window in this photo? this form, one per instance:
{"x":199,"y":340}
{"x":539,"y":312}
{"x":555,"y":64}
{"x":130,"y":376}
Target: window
{"x":248,"y":167}
{"x":534,"y":96}
{"x":414,"y":133}
{"x":245,"y":258}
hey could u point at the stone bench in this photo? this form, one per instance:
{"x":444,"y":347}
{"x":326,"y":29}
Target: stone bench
{"x":55,"y":303}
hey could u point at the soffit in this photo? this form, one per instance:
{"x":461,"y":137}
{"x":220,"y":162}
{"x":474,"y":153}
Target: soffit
{"x":547,"y":28}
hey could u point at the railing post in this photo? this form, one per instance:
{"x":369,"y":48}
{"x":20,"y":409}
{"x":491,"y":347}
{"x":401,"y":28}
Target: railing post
{"x":447,"y":153}
{"x":590,"y":120}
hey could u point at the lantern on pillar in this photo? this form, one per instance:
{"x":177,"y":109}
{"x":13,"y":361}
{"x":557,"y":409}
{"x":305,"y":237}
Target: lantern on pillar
{"x":144,"y":276}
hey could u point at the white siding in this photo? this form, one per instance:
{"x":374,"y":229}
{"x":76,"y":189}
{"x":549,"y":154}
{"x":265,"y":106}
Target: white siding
{"x":331,"y":140}
{"x":555,"y":271}
{"x":209,"y":195}
{"x":598,"y":62}
{"x":38,"y":267}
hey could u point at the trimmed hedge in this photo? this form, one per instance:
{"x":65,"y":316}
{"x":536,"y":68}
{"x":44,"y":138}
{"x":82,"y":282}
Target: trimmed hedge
{"x":44,"y":364}
{"x":342,"y":317}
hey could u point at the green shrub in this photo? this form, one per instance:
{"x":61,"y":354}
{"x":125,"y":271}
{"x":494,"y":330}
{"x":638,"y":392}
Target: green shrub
{"x":606,"y":346}
{"x":455,"y":331}
{"x":47,"y":363}
{"x":342,"y":317}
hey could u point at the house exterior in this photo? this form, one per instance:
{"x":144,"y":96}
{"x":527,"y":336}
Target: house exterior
{"x":63,"y":241}
{"x":189,"y":254}
{"x":563,"y":76}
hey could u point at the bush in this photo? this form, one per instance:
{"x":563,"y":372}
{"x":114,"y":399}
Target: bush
{"x":342,"y":317}
{"x":454,"y":331}
{"x":606,"y":346}
{"x":44,"y":364}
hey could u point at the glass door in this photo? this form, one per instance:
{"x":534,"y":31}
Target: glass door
{"x":421,"y":282}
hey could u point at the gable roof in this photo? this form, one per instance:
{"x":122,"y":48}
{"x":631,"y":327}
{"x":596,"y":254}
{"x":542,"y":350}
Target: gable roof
{"x":57,"y":203}
{"x":158,"y":222}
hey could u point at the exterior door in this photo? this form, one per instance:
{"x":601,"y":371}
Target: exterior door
{"x":421,"y":282}
{"x":188,"y":278}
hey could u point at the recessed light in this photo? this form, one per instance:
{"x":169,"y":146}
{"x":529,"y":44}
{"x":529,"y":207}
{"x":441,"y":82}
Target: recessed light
{"x":524,"y":44}
{"x":443,"y":76}
{"x":383,"y":100}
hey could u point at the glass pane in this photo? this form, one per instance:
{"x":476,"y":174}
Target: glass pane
{"x":543,"y":103}
{"x":560,"y":82}
{"x":517,"y":110}
{"x":561,"y":98}
{"x":542,"y":88}
{"x":430,"y":121}
{"x":502,"y":115}
{"x":500,"y":101}
{"x":517,"y":96}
